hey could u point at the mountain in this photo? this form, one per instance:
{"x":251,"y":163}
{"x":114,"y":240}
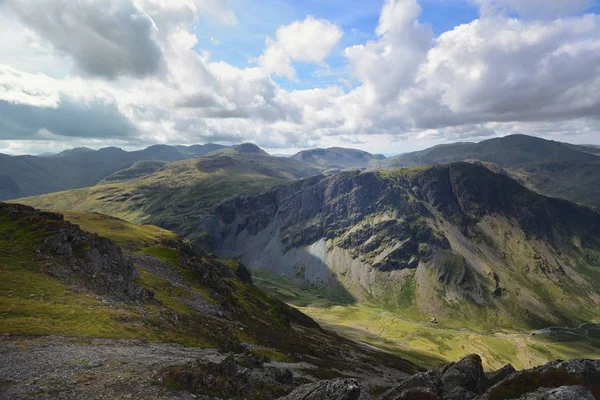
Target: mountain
{"x":507,"y":151}
{"x":339,"y":158}
{"x":81,"y":167}
{"x":575,"y":181}
{"x":91,"y":276}
{"x":456,"y":244}
{"x":76,"y":150}
{"x":181,"y":195}
{"x":552,"y":168}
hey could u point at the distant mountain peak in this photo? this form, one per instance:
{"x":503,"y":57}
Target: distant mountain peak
{"x":76,"y":150}
{"x":250,"y":148}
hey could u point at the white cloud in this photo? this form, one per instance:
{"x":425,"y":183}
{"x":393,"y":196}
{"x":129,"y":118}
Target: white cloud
{"x":104,"y":37}
{"x":311,"y":40}
{"x":494,"y":76}
{"x":388,"y":64}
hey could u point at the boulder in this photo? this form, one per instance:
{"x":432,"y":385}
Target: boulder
{"x":337,"y":389}
{"x":467,"y":373}
{"x":561,"y":393}
{"x":426,"y":384}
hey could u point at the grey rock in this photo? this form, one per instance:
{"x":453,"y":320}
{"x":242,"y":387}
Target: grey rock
{"x":423,"y":383}
{"x":561,"y":393}
{"x":459,"y":393}
{"x":500,"y":375}
{"x":337,"y":389}
{"x":467,"y":373}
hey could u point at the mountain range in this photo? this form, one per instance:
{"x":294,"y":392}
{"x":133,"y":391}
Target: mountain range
{"x":22,"y":176}
{"x":490,"y":247}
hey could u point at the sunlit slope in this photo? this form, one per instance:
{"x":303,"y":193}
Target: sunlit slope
{"x":180,"y":194}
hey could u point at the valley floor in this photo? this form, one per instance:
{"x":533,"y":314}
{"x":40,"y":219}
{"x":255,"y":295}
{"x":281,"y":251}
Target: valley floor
{"x":429,"y":344}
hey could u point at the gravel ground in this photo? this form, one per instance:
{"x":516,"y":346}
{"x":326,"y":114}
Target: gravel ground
{"x":63,"y":368}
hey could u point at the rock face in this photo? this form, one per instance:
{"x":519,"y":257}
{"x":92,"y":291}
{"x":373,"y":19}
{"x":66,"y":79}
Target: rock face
{"x":464,"y":380}
{"x":79,"y":258}
{"x":561,"y":393}
{"x":474,"y":232}
{"x":338,"y":389}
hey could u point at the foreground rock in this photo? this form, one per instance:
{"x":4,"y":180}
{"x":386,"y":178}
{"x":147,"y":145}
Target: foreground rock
{"x":466,"y":380}
{"x":338,"y":389}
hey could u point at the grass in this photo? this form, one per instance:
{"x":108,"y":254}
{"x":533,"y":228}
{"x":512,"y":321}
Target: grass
{"x":164,"y":253}
{"x":33,"y":303}
{"x":421,"y":342}
{"x":302,"y":295}
{"x":175,"y":195}
{"x":122,"y":233}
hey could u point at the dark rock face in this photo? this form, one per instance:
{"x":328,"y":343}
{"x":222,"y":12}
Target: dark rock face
{"x":467,"y":374}
{"x":561,"y":393}
{"x":338,"y":389}
{"x":78,"y":257}
{"x":500,"y":375}
{"x":556,"y":374}
{"x":330,"y":208}
{"x":425,"y":385}
{"x":464,"y":380}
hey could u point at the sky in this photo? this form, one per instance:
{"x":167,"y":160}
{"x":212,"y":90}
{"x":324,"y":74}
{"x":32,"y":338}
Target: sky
{"x":386,"y":76}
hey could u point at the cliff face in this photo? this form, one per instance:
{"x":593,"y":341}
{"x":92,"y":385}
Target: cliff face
{"x":459,"y":231}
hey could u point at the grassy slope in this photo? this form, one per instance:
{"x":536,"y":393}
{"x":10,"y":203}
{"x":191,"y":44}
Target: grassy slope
{"x":175,"y":196}
{"x":424,"y":343}
{"x":579,"y":182}
{"x":33,"y":303}
{"x":507,"y":151}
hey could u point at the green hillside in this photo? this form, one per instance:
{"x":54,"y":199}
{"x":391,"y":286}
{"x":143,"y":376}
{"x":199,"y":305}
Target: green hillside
{"x":57,"y":279}
{"x":180,"y":194}
{"x":22,"y":176}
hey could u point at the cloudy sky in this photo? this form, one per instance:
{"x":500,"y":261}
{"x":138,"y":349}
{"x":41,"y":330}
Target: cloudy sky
{"x":385,"y":76}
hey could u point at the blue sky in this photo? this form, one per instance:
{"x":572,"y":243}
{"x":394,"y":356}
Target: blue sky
{"x":239,"y":44}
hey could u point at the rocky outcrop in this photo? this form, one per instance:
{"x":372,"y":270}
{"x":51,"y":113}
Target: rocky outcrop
{"x":81,"y":258}
{"x":465,"y":380}
{"x":561,"y":393}
{"x":77,"y":257}
{"x":337,"y":389}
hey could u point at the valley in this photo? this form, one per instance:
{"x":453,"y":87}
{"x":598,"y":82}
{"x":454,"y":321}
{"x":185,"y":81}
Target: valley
{"x":427,"y":343}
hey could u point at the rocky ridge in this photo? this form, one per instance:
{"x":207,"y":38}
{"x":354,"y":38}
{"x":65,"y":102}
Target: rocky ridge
{"x":458,"y":229}
{"x":80,"y":258}
{"x":466,"y":380}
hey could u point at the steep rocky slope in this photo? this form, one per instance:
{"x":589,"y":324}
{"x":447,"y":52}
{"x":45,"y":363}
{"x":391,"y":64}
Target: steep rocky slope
{"x":466,"y":380}
{"x":454,"y":242}
{"x":148,"y":284}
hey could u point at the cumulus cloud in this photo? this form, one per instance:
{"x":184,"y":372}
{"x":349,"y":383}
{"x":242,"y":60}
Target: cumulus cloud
{"x":510,"y":70}
{"x":388,"y":64}
{"x":497,"y":75}
{"x":104,"y":37}
{"x":311,"y":40}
